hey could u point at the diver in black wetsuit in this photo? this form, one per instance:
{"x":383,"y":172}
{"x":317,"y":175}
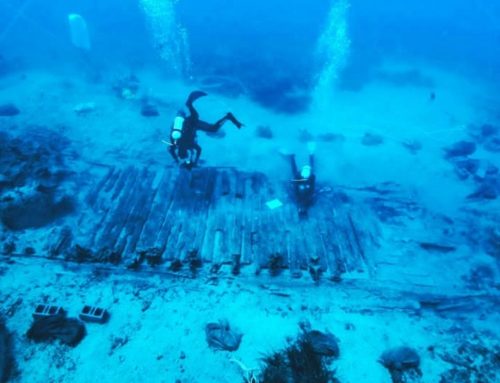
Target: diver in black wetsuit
{"x":183,"y":144}
{"x":304,"y":182}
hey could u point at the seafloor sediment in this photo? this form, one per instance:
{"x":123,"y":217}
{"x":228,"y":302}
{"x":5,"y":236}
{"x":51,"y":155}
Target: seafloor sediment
{"x":166,"y":251}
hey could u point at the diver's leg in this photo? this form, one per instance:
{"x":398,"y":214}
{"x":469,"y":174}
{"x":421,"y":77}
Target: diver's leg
{"x":182,"y":152}
{"x":293,"y":164}
{"x":228,"y":117}
{"x":311,"y":162}
{"x":210,"y":128}
{"x":233,"y":119}
{"x":173,"y":153}
{"x":193,"y":112}
{"x":193,"y":96}
{"x":197,"y":149}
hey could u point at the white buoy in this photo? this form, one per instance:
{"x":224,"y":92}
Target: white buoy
{"x":79,"y":31}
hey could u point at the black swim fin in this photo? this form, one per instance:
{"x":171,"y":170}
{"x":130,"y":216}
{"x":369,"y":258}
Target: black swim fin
{"x":193,"y":96}
{"x":234,"y":120}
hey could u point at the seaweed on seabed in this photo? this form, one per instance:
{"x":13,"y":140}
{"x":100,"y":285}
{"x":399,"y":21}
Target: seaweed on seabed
{"x":69,"y":331}
{"x":299,"y":363}
{"x":276,"y":369}
{"x":306,"y":365}
{"x":6,"y":355}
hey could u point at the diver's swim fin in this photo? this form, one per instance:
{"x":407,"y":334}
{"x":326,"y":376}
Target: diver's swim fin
{"x":193,"y":96}
{"x":234,"y":120}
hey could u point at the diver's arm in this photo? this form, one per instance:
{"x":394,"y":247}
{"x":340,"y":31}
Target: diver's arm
{"x":171,"y":150}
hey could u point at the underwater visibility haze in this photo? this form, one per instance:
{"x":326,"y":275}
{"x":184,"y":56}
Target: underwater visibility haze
{"x":249,"y":191}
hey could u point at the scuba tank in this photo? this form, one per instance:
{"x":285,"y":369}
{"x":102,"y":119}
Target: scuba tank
{"x":176,"y":131}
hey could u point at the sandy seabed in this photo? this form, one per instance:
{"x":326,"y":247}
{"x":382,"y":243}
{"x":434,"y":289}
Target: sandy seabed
{"x":156,"y":328}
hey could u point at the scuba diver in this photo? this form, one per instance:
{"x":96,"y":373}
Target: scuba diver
{"x":183,"y":144}
{"x":303,"y":181}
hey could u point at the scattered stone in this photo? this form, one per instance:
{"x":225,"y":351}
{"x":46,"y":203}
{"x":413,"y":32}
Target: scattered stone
{"x":220,"y":336}
{"x":460,"y":149}
{"x":473,"y":360}
{"x":413,"y":146}
{"x":492,"y":245}
{"x":349,"y":327}
{"x":324,"y":344}
{"x":36,"y":210}
{"x":466,"y":168}
{"x":400,"y":358}
{"x":67,"y":330}
{"x":392,"y":210}
{"x":492,"y":145}
{"x":372,"y":139}
{"x":488,"y":189}
{"x":429,"y":246}
{"x":14,"y":307}
{"x":9,"y":110}
{"x":488,"y":130}
{"x":486,"y":170}
{"x":84,"y":108}
{"x":331,"y":137}
{"x":149,"y":110}
{"x":264,"y":131}
{"x":403,"y":364}
{"x":117,"y":342}
{"x":480,"y":277}
{"x":483,"y":132}
{"x":9,"y":247}
{"x":127,"y":87}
